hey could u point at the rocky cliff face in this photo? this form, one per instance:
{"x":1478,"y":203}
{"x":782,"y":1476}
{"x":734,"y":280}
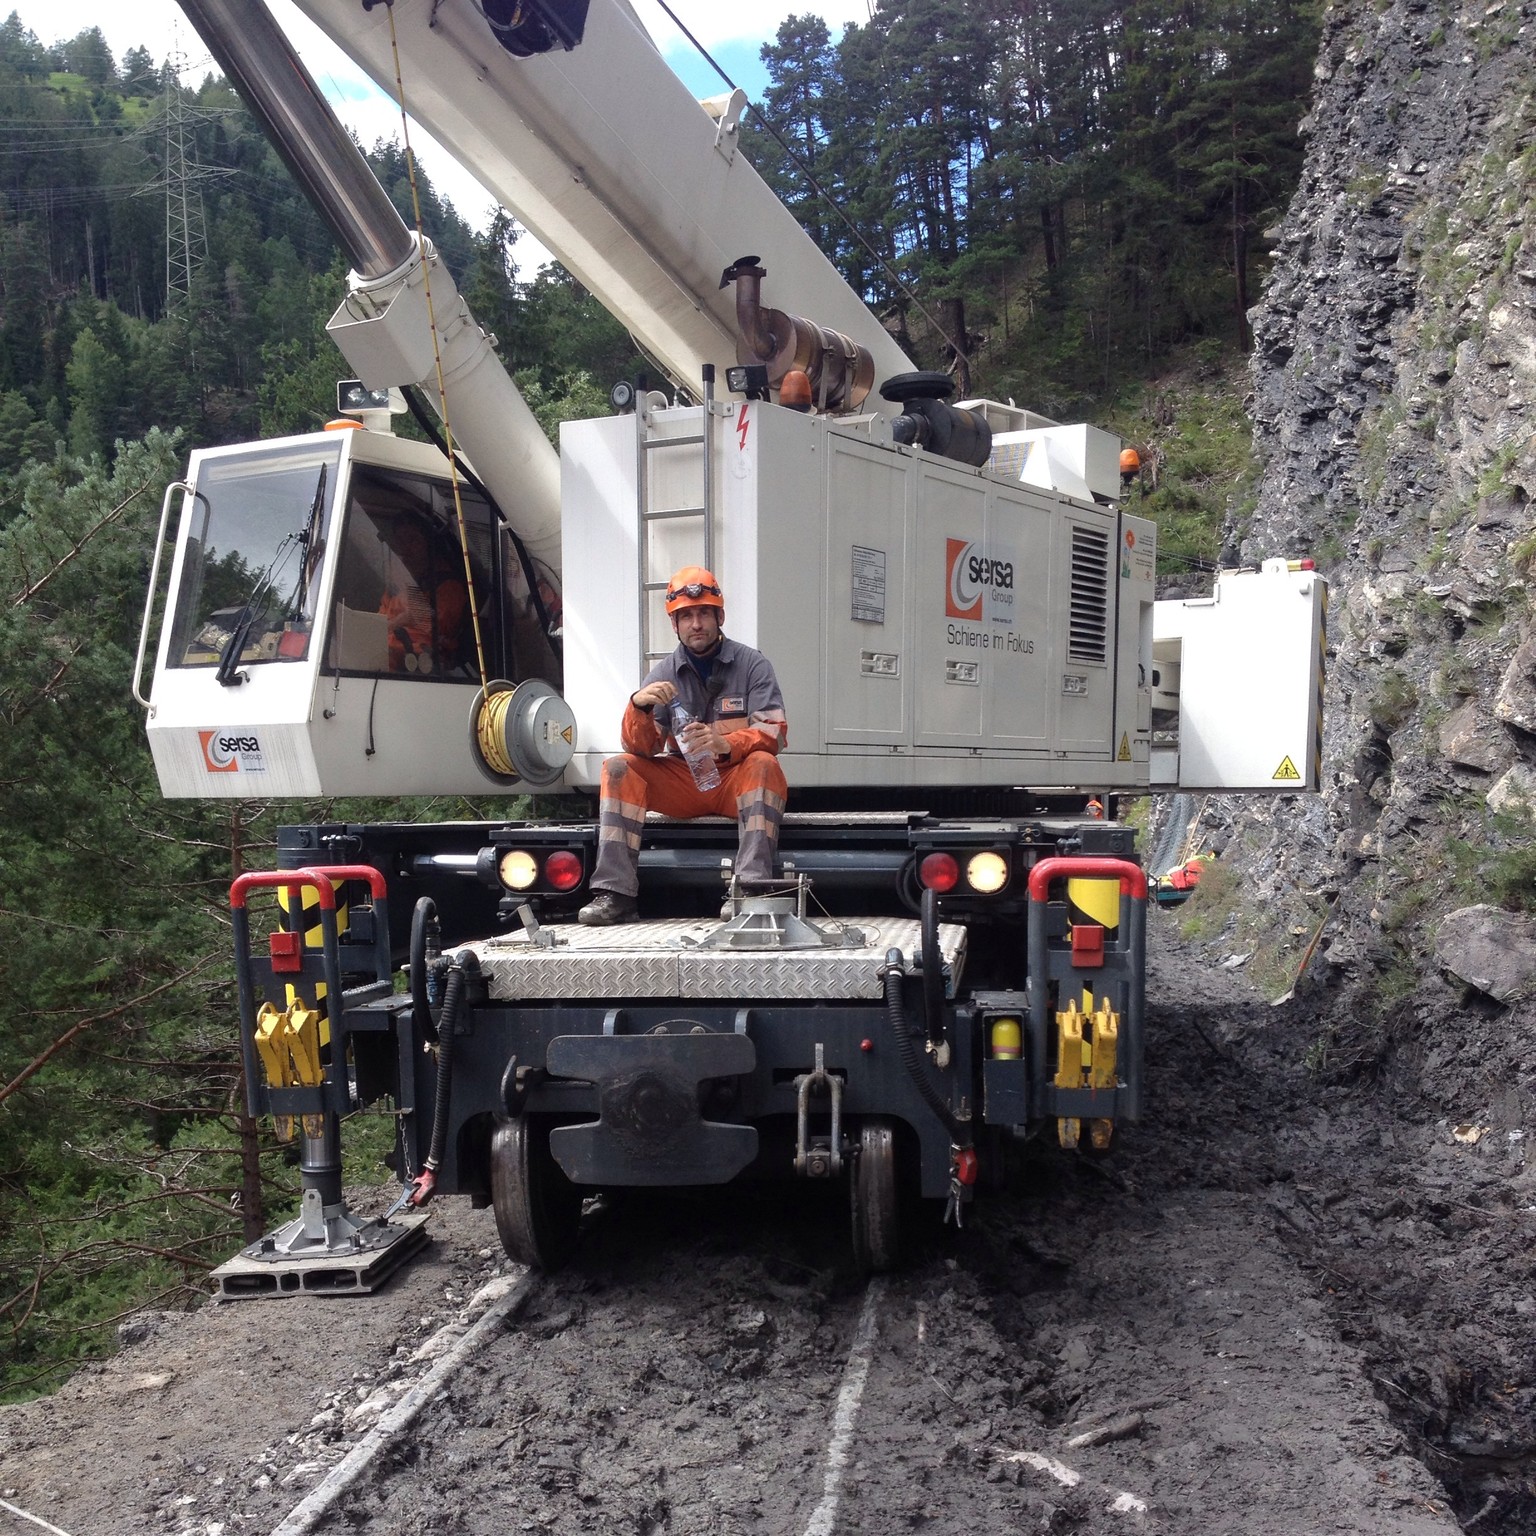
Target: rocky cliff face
{"x":1394,"y":381}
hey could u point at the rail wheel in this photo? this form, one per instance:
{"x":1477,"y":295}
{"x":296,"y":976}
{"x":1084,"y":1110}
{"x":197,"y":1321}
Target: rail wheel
{"x":537,"y":1207}
{"x":876,"y":1209}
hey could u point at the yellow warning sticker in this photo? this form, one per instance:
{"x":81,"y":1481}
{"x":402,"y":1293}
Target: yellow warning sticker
{"x":1125,"y":747}
{"x":1287,"y":769}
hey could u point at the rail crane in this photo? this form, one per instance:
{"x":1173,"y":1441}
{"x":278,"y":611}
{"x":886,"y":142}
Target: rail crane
{"x":960,"y":610}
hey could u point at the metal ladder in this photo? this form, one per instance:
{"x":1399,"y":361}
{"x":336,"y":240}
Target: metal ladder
{"x":645,"y":446}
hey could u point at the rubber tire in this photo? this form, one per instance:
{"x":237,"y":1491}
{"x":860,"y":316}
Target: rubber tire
{"x":876,"y":1206}
{"x":537,"y":1208}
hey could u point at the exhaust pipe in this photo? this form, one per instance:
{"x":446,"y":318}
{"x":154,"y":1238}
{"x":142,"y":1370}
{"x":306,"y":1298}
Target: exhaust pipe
{"x":841,"y":372}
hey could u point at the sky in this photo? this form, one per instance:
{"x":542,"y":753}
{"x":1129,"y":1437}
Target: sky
{"x":731,"y":32}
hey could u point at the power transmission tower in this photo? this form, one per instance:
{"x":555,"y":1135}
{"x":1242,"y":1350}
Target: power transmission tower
{"x":181,"y":179}
{"x":186,"y":233}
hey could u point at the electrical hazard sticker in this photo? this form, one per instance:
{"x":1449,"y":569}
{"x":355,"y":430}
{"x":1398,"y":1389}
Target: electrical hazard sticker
{"x":1124,"y":754}
{"x":1287,"y":769}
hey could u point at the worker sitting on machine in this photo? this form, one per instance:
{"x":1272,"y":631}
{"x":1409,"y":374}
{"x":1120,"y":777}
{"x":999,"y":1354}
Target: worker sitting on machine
{"x":722,"y":761}
{"x":425,"y":600}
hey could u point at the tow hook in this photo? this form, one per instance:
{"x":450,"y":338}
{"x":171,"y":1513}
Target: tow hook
{"x":823,"y":1157}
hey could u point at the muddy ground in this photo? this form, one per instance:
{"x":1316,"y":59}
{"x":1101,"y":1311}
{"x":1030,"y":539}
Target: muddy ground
{"x":1297,"y":1299}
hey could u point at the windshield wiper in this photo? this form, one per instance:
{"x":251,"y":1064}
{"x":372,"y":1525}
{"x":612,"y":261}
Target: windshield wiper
{"x":310,"y":548}
{"x":229,"y":674}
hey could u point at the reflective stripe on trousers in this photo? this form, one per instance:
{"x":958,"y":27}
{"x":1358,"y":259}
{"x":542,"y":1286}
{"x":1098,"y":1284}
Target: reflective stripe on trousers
{"x":751,"y":792}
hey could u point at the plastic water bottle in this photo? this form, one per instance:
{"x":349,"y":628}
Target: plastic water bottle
{"x":702,"y":765}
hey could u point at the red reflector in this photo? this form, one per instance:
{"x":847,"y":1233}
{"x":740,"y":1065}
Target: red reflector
{"x":966,"y":1166}
{"x":287,"y":951}
{"x":562,"y":869}
{"x":1087,"y":944}
{"x":939,"y":872}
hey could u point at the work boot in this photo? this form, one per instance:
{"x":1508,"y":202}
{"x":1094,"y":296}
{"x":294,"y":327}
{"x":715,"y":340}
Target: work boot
{"x":607,"y":908}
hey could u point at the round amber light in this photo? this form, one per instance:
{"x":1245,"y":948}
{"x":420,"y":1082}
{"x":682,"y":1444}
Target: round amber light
{"x":986,"y":872}
{"x":518,"y":870}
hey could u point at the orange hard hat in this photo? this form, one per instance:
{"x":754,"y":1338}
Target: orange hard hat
{"x":694,"y":587}
{"x":1130,"y":461}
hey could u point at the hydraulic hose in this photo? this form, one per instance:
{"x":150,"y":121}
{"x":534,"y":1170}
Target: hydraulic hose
{"x":426,"y":1180}
{"x":451,"y":995}
{"x":425,"y":939}
{"x":906,"y":1048}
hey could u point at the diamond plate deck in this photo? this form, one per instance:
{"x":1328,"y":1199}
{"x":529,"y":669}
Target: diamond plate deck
{"x":653,"y":960}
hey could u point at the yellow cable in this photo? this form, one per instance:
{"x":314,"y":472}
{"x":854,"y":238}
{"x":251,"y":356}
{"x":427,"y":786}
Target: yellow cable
{"x":490,"y":733}
{"x":437,"y":358}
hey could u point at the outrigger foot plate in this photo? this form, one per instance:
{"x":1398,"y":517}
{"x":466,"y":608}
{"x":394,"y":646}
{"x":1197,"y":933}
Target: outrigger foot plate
{"x":373,"y":1252}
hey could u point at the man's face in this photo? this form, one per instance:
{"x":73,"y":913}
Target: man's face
{"x":698,"y":628}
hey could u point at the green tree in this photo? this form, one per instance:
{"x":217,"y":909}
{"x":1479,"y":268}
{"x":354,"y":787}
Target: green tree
{"x":88,"y":55}
{"x":106,"y":1055}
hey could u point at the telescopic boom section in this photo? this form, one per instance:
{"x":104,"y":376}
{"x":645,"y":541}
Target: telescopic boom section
{"x":383,"y":329}
{"x":604,"y":155}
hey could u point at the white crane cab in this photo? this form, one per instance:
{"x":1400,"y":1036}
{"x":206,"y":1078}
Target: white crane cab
{"x":325,"y":631}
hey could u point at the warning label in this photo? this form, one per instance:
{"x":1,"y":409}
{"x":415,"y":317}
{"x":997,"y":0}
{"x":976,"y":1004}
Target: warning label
{"x":1287,"y":769}
{"x":1124,"y":754}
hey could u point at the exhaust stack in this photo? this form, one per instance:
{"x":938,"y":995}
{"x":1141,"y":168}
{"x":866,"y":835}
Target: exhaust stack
{"x":841,"y":372}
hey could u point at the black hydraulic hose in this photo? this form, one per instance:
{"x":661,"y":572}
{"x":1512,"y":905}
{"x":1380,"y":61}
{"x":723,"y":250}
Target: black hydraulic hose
{"x":424,"y":950}
{"x":445,"y":1032}
{"x":906,"y":1048}
{"x":423,"y":419}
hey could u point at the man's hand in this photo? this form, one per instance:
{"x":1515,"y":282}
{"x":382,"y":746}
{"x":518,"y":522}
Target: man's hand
{"x":653,"y":694}
{"x":700,"y":737}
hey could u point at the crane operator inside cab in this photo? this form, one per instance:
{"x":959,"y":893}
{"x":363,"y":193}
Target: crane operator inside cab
{"x":425,"y":600}
{"x":721,"y":762}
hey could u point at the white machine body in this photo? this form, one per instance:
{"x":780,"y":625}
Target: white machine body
{"x":930,"y":624}
{"x":316,"y":701}
{"x":1238,"y":683}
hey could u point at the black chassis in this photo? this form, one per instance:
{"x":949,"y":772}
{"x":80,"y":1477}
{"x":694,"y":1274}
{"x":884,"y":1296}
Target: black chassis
{"x":686,"y":1092}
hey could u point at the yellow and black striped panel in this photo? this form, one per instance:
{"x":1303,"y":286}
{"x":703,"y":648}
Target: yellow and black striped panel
{"x":1322,"y":679}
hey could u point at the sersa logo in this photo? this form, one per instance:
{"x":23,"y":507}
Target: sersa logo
{"x":970,"y":576}
{"x":962,"y":591}
{"x":230,"y":751}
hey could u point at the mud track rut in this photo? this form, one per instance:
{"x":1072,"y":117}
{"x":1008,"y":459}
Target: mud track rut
{"x":1119,"y":1347}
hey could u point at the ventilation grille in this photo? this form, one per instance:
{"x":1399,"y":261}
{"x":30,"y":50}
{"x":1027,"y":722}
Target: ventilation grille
{"x":1089,"y":637}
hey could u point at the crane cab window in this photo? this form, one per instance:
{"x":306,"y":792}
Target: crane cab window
{"x":250,"y":568}
{"x":404,"y":603}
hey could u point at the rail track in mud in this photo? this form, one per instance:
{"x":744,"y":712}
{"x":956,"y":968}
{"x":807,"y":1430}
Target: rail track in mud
{"x":1193,"y":1336}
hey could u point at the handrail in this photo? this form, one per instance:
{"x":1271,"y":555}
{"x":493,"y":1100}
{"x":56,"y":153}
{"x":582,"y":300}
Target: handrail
{"x":154,"y":581}
{"x":1132,"y":877}
{"x":321,"y":876}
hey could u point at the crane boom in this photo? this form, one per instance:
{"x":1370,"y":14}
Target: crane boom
{"x":605,"y":156}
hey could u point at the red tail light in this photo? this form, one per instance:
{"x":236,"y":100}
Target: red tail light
{"x":563,"y":870}
{"x":939,"y":872}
